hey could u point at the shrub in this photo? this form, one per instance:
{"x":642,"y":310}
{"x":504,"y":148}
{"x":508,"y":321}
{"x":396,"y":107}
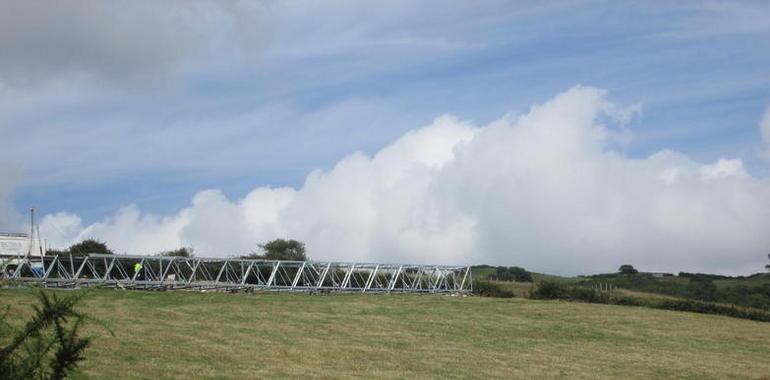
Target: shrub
{"x":548,"y":290}
{"x":750,"y":296}
{"x":755,"y":294}
{"x":712,"y":308}
{"x":491,"y":289}
{"x":626,"y":301}
{"x":702,"y":289}
{"x":517,"y":274}
{"x":48,"y":346}
{"x":587,"y":295}
{"x":709,"y":276}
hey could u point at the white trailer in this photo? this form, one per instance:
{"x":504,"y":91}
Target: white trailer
{"x":14,"y":247}
{"x":21,"y":244}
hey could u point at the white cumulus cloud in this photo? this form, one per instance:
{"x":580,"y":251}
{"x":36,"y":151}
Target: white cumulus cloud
{"x":543,"y":190}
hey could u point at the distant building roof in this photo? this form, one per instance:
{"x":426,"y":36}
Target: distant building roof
{"x":14,"y":234}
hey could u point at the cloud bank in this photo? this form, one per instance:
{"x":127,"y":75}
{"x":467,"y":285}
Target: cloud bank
{"x":544,"y":190}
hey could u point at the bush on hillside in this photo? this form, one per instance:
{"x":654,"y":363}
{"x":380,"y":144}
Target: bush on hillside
{"x":754,"y":294}
{"x":702,"y":289}
{"x":490,"y":289}
{"x":588,"y":295}
{"x":548,"y":290}
{"x":712,"y":308}
{"x":709,"y":276}
{"x":517,"y":274}
{"x":627,"y":301}
{"x":750,"y":296}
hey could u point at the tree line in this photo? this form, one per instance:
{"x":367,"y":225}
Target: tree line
{"x":277,"y":249}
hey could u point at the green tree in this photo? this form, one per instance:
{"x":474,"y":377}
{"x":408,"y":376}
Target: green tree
{"x":179,"y":252}
{"x":520,"y":274}
{"x":768,"y":265}
{"x":281,"y":249}
{"x":87,"y":246}
{"x":627,"y":269}
{"x":49,"y":345}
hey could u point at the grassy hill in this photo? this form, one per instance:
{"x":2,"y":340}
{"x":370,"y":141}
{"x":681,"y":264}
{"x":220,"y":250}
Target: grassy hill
{"x":215,"y":335}
{"x":752,"y":291}
{"x":744,"y":291}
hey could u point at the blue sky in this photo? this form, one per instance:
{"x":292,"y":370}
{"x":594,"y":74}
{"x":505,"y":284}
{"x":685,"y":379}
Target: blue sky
{"x":148,"y":103}
{"x":700,"y":71}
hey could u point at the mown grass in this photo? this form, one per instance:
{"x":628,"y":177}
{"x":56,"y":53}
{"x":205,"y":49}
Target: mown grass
{"x":215,"y":335}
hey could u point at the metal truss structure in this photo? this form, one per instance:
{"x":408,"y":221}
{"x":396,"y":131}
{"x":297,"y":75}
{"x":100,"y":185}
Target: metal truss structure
{"x":163,"y":272}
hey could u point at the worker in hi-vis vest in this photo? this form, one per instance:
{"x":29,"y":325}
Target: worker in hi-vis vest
{"x":137,"y":269}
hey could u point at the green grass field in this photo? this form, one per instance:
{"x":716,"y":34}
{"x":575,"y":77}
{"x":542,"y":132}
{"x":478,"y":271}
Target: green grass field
{"x":215,"y":335}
